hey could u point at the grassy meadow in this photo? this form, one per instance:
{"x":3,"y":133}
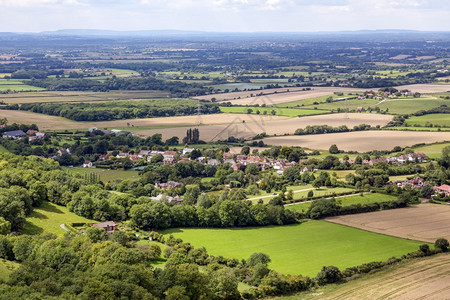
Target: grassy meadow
{"x":348,"y":200}
{"x":48,"y":218}
{"x":301,"y":248}
{"x":435,"y":119}
{"x":16,"y":85}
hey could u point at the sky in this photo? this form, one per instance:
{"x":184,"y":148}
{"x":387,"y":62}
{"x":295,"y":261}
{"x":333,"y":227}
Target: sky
{"x":224,"y":15}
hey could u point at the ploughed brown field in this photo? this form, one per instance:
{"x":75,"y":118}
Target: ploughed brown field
{"x":282,"y":95}
{"x":254,"y":125}
{"x":426,"y":278}
{"x":361,"y":141}
{"x":423,"y":222}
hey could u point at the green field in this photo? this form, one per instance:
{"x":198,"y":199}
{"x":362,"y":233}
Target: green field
{"x":418,"y":128}
{"x":347,"y":201}
{"x":435,"y":119}
{"x":408,"y":106}
{"x":290,"y":112}
{"x":302,"y":248}
{"x":314,"y":101}
{"x":105,"y":175}
{"x":6,"y":268}
{"x":432,"y":151}
{"x":48,"y":219}
{"x":16,"y":85}
{"x":300,"y":192}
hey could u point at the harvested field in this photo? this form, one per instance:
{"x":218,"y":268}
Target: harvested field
{"x":424,"y":278}
{"x":425,"y":88}
{"x":277,"y":125}
{"x":46,"y":122}
{"x":361,"y":141}
{"x":423,"y":222}
{"x":270,"y":98}
{"x":50,"y":96}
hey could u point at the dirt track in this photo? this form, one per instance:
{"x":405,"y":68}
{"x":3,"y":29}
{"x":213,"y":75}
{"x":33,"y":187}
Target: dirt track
{"x":423,"y":222}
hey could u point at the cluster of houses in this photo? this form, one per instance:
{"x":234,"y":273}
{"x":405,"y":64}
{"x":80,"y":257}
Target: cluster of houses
{"x":419,"y":182}
{"x":411,"y":157}
{"x":18,"y":134}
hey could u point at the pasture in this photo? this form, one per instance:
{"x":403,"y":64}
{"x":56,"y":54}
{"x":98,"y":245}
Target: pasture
{"x":432,"y":151}
{"x":347,"y":201}
{"x":48,"y":219}
{"x":301,"y":248}
{"x":435,"y":119}
{"x":409,"y":106}
{"x":423,"y":222}
{"x":424,"y":278}
{"x":360,"y":141}
{"x":16,"y":85}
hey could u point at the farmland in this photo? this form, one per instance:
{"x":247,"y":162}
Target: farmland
{"x":48,"y":218}
{"x":432,"y":151}
{"x":290,"y":112}
{"x":105,"y":175}
{"x":424,"y":222}
{"x":434,"y":119}
{"x":294,"y":250}
{"x":348,"y":200}
{"x":425,"y":278}
{"x":360,"y":141}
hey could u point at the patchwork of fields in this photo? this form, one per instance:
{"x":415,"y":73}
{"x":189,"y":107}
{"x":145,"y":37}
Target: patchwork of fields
{"x":299,"y":249}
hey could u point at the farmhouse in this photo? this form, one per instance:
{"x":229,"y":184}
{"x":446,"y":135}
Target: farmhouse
{"x":87,"y":164}
{"x":16,"y":134}
{"x":169,"y":157}
{"x":443,"y":189}
{"x":109,"y":226}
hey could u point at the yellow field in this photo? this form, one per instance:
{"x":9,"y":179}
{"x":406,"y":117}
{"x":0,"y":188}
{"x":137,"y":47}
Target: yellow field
{"x":361,"y":141}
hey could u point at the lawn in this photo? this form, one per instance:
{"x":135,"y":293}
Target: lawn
{"x":290,"y":112}
{"x":6,"y":268}
{"x":48,"y":219}
{"x":105,"y":175}
{"x":348,"y":200}
{"x":301,"y":248}
{"x":435,"y":119}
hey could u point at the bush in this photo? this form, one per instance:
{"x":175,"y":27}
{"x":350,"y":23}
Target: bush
{"x":441,"y":244}
{"x":329,"y":274}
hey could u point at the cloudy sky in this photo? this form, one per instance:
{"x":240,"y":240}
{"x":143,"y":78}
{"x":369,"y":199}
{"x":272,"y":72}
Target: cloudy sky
{"x":224,"y":15}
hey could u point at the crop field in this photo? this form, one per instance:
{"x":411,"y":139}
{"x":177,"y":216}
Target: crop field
{"x":301,"y":192}
{"x":435,"y":119}
{"x":403,"y":128}
{"x":290,"y":112}
{"x":233,"y":125}
{"x":301,"y":248}
{"x":105,"y":175}
{"x":58,"y":96}
{"x":361,"y":141}
{"x":276,"y":96}
{"x":425,"y":88}
{"x":424,"y":278}
{"x":48,"y":218}
{"x":423,"y":222}
{"x":314,"y":101}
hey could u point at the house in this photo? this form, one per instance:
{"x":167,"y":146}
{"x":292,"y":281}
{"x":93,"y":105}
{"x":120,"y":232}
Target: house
{"x":443,"y":189}
{"x":15,"y":134}
{"x":122,"y":155}
{"x":229,"y":161}
{"x":169,"y":199}
{"x":187,"y":150}
{"x":109,"y":226}
{"x":31,"y":131}
{"x":213,"y":162}
{"x":133,"y":157}
{"x":169,"y":157}
{"x":416,"y":183}
{"x":237,"y":167}
{"x":63,"y":151}
{"x":143,"y":153}
{"x":228,"y":155}
{"x":307,"y":169}
{"x":40,"y":134}
{"x":87,"y":164}
{"x":153,"y":153}
{"x":170,"y":185}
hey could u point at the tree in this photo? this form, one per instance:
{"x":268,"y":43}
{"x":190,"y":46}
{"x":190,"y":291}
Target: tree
{"x":5,"y":226}
{"x":328,"y":275}
{"x":333,"y":149}
{"x":441,"y":244}
{"x":258,"y":258}
{"x":427,"y":190}
{"x":245,"y":150}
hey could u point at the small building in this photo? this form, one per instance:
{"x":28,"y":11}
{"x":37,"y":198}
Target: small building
{"x":109,"y":226}
{"x":15,"y":134}
{"x":87,"y":164}
{"x":443,"y":189}
{"x":187,"y":150}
